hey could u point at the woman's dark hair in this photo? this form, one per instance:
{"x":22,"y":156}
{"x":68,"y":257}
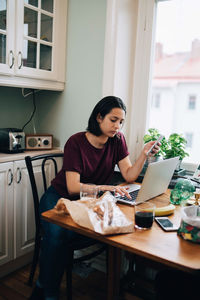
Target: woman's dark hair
{"x":103,"y":107}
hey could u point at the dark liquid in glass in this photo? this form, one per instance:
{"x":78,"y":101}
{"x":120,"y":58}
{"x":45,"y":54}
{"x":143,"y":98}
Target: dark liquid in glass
{"x":144,"y":219}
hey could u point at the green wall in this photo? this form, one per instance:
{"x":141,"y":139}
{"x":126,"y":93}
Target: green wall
{"x":15,"y":110}
{"x":64,"y":113}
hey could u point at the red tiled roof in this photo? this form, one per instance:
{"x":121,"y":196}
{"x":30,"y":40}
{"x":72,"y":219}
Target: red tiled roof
{"x":179,"y":66}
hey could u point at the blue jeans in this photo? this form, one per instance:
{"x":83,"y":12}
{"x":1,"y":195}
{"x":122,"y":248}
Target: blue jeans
{"x":54,"y":247}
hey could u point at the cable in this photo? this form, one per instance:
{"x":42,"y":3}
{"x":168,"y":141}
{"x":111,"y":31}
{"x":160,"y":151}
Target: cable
{"x":25,"y":95}
{"x":34,"y":109}
{"x":30,"y":93}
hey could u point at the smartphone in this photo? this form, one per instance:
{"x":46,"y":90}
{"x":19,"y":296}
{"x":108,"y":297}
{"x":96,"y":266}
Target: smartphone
{"x":166,"y":224}
{"x":156,"y":142}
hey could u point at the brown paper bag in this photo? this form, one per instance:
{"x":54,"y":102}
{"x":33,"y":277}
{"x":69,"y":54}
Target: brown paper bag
{"x":101,"y":215}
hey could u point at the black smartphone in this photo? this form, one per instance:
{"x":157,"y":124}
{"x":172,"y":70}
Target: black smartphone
{"x":166,"y":224}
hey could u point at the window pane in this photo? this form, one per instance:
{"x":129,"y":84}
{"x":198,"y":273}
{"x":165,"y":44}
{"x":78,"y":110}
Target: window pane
{"x":29,"y":54}
{"x":189,"y":137}
{"x":47,"y":5}
{"x":32,"y":2}
{"x":3,"y":14}
{"x":176,"y":73}
{"x":45,"y":57}
{"x":192,"y":102}
{"x":30,"y":22}
{"x":46,"y":28}
{"x":156,"y":101}
{"x":2,"y":48}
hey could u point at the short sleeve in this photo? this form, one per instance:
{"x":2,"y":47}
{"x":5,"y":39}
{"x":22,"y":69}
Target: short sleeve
{"x":72,"y":156}
{"x":122,"y":148}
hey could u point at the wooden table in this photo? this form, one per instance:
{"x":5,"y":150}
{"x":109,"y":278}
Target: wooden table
{"x":163,"y":247}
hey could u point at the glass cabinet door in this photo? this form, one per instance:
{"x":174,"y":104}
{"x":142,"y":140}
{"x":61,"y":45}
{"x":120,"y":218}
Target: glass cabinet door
{"x":7,"y":27}
{"x":33,"y":43}
{"x":38,"y":35}
{"x":3,"y":33}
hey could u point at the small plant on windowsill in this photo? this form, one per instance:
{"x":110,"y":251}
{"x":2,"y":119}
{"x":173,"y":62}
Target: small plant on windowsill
{"x":174,"y":146}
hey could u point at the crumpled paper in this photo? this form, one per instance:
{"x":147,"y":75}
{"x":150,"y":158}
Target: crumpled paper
{"x":100,"y":215}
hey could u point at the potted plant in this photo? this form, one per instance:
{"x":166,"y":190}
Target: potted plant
{"x":176,"y":147}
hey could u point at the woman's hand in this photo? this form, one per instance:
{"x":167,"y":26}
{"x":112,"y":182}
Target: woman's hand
{"x":154,"y":150}
{"x":117,"y":189}
{"x":73,"y":185}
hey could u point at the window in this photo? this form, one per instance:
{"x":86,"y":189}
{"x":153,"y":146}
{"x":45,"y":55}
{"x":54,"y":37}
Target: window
{"x":156,"y":101}
{"x":189,"y":138}
{"x":176,"y":72}
{"x":152,"y":61}
{"x":192,"y":102}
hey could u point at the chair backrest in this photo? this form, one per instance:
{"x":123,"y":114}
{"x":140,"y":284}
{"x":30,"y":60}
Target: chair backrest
{"x":29,"y":164}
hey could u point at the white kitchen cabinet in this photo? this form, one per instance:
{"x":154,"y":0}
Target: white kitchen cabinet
{"x":33,"y":43}
{"x":24,"y":223}
{"x":6,"y":212}
{"x":17,"y":224}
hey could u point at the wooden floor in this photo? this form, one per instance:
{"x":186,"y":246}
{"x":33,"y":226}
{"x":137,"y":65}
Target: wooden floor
{"x":14,"y":287}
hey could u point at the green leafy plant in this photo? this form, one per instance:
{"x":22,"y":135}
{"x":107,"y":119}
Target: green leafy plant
{"x":174,"y":146}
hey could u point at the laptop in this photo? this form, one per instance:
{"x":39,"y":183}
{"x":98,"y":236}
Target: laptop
{"x":155,"y":182}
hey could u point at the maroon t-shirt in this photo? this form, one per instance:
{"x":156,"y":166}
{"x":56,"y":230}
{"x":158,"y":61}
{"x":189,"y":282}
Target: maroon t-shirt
{"x":94,"y":165}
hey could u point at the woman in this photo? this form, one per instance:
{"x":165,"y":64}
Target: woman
{"x":89,"y":157}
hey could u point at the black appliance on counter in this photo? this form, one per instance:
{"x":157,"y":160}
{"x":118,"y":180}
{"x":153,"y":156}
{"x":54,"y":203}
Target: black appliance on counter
{"x":12,"y":140}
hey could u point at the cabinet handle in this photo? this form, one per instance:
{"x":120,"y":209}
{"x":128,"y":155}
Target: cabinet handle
{"x":19,"y":175}
{"x":10,"y":177}
{"x":20,"y":57}
{"x":11,"y":57}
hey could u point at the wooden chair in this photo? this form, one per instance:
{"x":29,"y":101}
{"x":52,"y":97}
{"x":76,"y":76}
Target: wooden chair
{"x":39,"y":234}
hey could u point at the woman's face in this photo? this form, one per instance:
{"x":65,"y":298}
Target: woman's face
{"x":112,"y":122}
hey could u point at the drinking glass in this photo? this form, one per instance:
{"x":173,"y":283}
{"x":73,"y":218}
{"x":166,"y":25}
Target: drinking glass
{"x":88,"y":191}
{"x":144,"y":215}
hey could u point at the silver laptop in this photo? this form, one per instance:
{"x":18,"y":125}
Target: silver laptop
{"x":156,"y":181}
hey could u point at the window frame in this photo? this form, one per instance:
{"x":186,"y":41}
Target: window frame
{"x":136,"y":93}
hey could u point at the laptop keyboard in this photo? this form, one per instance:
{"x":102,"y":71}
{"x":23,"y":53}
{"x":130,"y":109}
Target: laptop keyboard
{"x":133,"y":195}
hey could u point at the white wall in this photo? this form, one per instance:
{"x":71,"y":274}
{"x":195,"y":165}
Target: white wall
{"x":163,"y":116}
{"x":15,"y":110}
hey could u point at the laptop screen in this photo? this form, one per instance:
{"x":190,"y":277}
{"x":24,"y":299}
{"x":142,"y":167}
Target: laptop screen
{"x":156,"y":181}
